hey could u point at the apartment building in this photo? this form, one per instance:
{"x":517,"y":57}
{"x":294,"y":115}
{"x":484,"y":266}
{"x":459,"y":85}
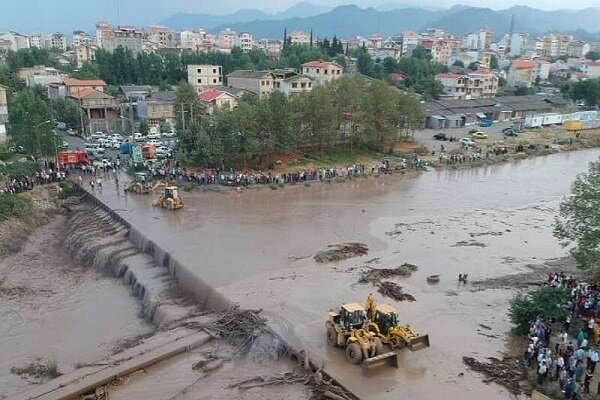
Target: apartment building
{"x":474,"y":85}
{"x":227,"y":39}
{"x":204,"y":76}
{"x":260,"y":83}
{"x":322,"y":71}
{"x":299,"y":37}
{"x":162,"y":36}
{"x":521,"y":73}
{"x":58,"y":41}
{"x":409,"y":40}
{"x":14,"y":41}
{"x":245,"y":41}
{"x":84,"y":53}
{"x":443,"y":49}
{"x":271,"y":47}
{"x":126,"y":36}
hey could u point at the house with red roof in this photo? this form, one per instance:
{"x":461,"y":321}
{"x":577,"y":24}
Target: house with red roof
{"x":521,"y":73}
{"x":213,"y":98}
{"x":322,"y":71}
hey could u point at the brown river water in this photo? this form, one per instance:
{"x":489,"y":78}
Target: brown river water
{"x":245,"y":243}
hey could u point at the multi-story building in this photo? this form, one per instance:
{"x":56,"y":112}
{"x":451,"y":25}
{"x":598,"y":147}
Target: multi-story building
{"x":322,"y":71}
{"x":294,"y":85}
{"x":443,"y":49}
{"x":80,"y":38}
{"x":156,"y":108}
{"x":375,"y":40}
{"x":590,"y":68}
{"x":227,"y":39}
{"x":37,"y":40}
{"x":575,"y":49}
{"x":204,"y":76}
{"x":518,"y":42}
{"x":58,"y":41}
{"x":409,"y":40}
{"x":14,"y":41}
{"x":521,"y":73}
{"x":125,"y":36}
{"x":162,"y":35}
{"x":102,"y":110}
{"x":271,"y":47}
{"x":245,"y":41}
{"x":486,"y":38}
{"x":260,"y":83}
{"x":83,"y":53}
{"x":194,"y":40}
{"x":103,"y":32}
{"x":299,"y":37}
{"x":474,"y":85}
{"x":3,"y":113}
{"x":553,"y":45}
{"x":542,"y":70}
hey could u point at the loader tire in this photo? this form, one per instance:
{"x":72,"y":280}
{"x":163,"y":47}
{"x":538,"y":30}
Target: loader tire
{"x":331,"y":336}
{"x":354,"y":353}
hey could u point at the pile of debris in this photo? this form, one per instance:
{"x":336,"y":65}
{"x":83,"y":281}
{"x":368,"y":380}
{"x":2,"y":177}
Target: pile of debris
{"x":341,"y":251}
{"x":377,"y":274}
{"x":394,"y":291}
{"x":508,"y":372}
{"x":40,"y":369}
{"x":240,"y":327}
{"x":323,"y":386}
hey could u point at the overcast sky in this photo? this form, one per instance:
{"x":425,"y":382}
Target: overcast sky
{"x":51,"y":15}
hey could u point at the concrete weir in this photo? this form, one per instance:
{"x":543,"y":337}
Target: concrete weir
{"x":102,"y":239}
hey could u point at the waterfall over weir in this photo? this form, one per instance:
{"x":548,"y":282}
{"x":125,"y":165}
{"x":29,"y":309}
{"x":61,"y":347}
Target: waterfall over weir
{"x":100,"y":239}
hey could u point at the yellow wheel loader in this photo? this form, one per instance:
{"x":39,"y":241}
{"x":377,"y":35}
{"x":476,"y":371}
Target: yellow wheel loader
{"x":140,"y":184}
{"x":345,"y":328}
{"x":170,"y":199}
{"x":382,"y":320}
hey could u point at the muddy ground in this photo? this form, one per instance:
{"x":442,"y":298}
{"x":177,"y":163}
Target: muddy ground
{"x":55,"y":310}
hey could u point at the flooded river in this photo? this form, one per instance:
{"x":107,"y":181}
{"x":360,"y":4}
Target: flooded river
{"x":486,"y":222}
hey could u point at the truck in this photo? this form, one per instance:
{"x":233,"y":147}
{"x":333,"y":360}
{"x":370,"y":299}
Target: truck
{"x":484,"y":123}
{"x":148,"y":152}
{"x":73,"y":157}
{"x":126,"y":147}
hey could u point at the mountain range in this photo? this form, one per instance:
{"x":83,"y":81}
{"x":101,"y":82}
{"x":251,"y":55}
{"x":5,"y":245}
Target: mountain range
{"x":350,"y":20}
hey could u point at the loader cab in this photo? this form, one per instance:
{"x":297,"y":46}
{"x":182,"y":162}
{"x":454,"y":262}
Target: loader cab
{"x":385,"y":318}
{"x":352,"y":316}
{"x":140,"y":177}
{"x":171,"y":192}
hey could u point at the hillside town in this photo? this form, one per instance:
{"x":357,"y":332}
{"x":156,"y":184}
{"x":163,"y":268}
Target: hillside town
{"x":210,"y":213}
{"x":474,"y":69}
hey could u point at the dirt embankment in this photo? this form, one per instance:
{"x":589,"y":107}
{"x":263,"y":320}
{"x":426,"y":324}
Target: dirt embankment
{"x":14,"y":231}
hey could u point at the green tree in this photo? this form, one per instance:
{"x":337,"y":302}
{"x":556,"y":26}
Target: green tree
{"x":473,"y":66}
{"x":190,"y":126}
{"x":578,"y":222}
{"x":89,"y":70}
{"x":31,"y":123}
{"x":144,"y":128}
{"x":378,"y":116}
{"x":315,"y":118}
{"x":523,"y":91}
{"x":68,"y":111}
{"x":593,"y":55}
{"x":458,"y":63}
{"x":494,"y":62}
{"x":545,"y":302}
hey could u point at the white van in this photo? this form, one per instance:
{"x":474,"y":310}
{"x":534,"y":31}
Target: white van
{"x":97,"y":136}
{"x":93,"y":147}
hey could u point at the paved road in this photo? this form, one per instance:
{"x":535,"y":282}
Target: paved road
{"x":76,"y":142}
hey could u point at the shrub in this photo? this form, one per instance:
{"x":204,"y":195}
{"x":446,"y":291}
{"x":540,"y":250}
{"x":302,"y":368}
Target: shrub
{"x":14,"y":206}
{"x":5,"y":153}
{"x":546,"y":302}
{"x":20,"y":169}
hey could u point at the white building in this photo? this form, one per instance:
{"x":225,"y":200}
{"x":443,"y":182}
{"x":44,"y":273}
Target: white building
{"x":299,"y":37}
{"x":322,"y":71}
{"x":204,"y":76}
{"x":84,"y":53}
{"x":245,"y":41}
{"x":227,"y":39}
{"x":57,"y":41}
{"x":37,"y":40}
{"x":410,"y":40}
{"x":271,"y":47}
{"x":14,"y":41}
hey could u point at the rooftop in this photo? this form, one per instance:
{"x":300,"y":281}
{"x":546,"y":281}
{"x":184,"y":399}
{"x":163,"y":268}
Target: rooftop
{"x":79,"y":82}
{"x":246,"y":73}
{"x":523,"y":64}
{"x":211,"y":94}
{"x":320,"y":64}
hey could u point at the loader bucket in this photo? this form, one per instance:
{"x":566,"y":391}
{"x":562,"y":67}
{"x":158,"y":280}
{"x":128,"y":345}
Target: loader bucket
{"x":419,"y":343}
{"x":390,"y":358}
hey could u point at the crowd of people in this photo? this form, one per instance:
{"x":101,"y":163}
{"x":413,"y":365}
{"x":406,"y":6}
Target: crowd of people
{"x":45,"y":175}
{"x":571,"y":361}
{"x":238,"y":178}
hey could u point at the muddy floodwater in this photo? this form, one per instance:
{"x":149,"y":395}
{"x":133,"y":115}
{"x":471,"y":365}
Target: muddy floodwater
{"x":54,"y":309}
{"x":256,"y":247}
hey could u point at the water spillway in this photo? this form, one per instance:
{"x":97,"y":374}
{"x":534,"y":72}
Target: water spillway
{"x":98,"y":238}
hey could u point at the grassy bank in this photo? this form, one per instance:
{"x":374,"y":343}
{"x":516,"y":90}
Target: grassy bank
{"x":14,"y":206}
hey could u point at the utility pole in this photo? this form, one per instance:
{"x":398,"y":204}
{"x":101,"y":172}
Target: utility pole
{"x":182,"y":120}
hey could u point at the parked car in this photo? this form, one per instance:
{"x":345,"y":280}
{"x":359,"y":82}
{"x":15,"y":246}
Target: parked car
{"x":115,"y":144}
{"x":61,"y":126}
{"x":138,"y":136}
{"x":103,"y":163}
{"x":479,"y":135}
{"x":169,"y":134}
{"x":64,"y":144}
{"x":95,"y":147}
{"x":153,"y":136}
{"x":71,"y":132}
{"x":509,"y":132}
{"x":467,"y":142}
{"x":440,"y":136}
{"x":116,"y":136}
{"x":472,"y":131}
{"x":98,"y":135}
{"x":484,"y":123}
{"x":154,"y":142}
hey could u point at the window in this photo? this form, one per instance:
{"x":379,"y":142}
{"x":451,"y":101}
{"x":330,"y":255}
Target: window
{"x":309,"y":84}
{"x":324,"y":71}
{"x":306,"y":70}
{"x":199,"y":70}
{"x":214,"y":70}
{"x":268,"y":83}
{"x":317,"y":70}
{"x":294,"y":85}
{"x":338,"y":71}
{"x":303,"y":85}
{"x":214,"y":81}
{"x":262,"y":83}
{"x":220,"y":79}
{"x":199,"y":80}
